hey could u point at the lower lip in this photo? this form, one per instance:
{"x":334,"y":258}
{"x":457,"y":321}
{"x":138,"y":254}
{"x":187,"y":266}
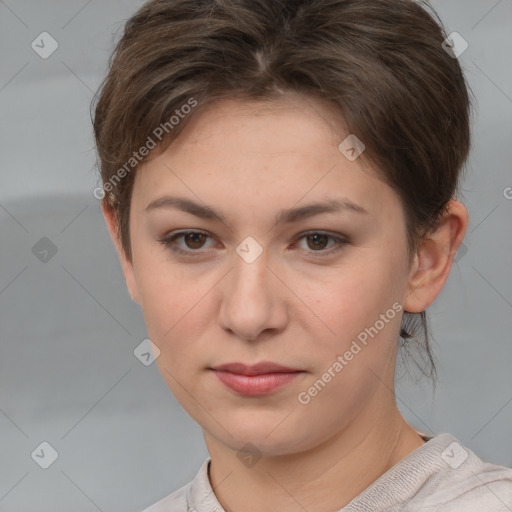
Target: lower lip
{"x":255,"y":385}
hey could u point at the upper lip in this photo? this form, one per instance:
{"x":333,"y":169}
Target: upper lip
{"x":255,"y":369}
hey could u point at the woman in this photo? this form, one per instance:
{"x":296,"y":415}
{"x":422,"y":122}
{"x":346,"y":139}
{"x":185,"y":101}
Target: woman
{"x":280,"y":183}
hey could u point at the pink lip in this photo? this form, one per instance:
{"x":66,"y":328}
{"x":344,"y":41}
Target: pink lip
{"x":255,"y":369}
{"x":256,"y":380}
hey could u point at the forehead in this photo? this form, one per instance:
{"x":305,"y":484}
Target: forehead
{"x":298,"y":119}
{"x":264,"y":154}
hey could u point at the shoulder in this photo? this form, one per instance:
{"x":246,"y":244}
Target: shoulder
{"x":196,"y":495}
{"x":175,"y":502}
{"x":440,"y":476}
{"x":461,"y":480}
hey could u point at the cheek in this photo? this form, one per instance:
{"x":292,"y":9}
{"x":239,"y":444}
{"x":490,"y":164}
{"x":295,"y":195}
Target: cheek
{"x":176,"y":317}
{"x":177,"y":314}
{"x":171,"y":312}
{"x":355,"y":294}
{"x":166,"y":298}
{"x":359,"y":302}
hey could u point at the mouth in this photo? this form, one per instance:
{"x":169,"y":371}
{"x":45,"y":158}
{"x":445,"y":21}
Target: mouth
{"x":262,"y":368}
{"x":255,"y":380}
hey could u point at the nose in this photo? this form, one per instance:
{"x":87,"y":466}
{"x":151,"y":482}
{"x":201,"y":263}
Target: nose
{"x":253,"y":300}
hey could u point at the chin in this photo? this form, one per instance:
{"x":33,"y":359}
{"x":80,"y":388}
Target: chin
{"x":270,"y":435}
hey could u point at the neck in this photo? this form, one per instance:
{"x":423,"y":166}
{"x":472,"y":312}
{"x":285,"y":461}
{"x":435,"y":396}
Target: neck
{"x":325,"y":478}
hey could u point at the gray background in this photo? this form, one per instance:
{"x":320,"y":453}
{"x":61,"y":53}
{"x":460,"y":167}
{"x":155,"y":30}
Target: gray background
{"x":68,"y":374}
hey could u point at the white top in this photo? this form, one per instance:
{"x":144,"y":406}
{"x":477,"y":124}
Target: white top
{"x":439,"y":476}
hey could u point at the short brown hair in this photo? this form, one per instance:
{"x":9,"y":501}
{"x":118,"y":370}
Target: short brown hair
{"x":379,"y":62}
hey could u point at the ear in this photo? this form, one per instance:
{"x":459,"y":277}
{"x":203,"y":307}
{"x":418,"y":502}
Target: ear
{"x":127,"y":265}
{"x":434,"y":258}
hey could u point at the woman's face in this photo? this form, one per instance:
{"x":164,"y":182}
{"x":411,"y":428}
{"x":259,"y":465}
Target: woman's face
{"x":321,"y":293}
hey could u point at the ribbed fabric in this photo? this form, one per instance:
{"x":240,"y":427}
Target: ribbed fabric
{"x":440,"y":476}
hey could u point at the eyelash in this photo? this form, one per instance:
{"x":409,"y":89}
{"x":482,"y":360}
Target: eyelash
{"x":168,"y":242}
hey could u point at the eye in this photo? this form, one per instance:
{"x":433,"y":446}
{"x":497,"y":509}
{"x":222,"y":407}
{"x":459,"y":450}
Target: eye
{"x":194,"y":240}
{"x":318,"y":240}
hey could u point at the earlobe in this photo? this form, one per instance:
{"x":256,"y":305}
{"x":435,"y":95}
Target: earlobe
{"x":126,"y":265}
{"x":434,"y":258}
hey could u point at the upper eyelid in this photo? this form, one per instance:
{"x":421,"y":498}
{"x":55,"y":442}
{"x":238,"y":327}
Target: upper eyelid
{"x":209,"y":235}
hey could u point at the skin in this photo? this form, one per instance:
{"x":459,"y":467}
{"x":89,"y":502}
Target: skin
{"x":290,"y":306}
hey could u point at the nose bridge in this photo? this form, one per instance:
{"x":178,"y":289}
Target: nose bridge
{"x":251,"y":275}
{"x":249,"y":301}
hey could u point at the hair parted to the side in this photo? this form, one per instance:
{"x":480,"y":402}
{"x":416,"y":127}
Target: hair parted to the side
{"x":380,"y":63}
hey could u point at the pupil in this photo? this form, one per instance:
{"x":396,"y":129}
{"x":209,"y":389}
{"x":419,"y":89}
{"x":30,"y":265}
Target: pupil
{"x":316,"y":236}
{"x":194,"y":241}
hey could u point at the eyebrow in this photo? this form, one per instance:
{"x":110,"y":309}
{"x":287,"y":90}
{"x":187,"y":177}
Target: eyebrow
{"x":285,"y":216}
